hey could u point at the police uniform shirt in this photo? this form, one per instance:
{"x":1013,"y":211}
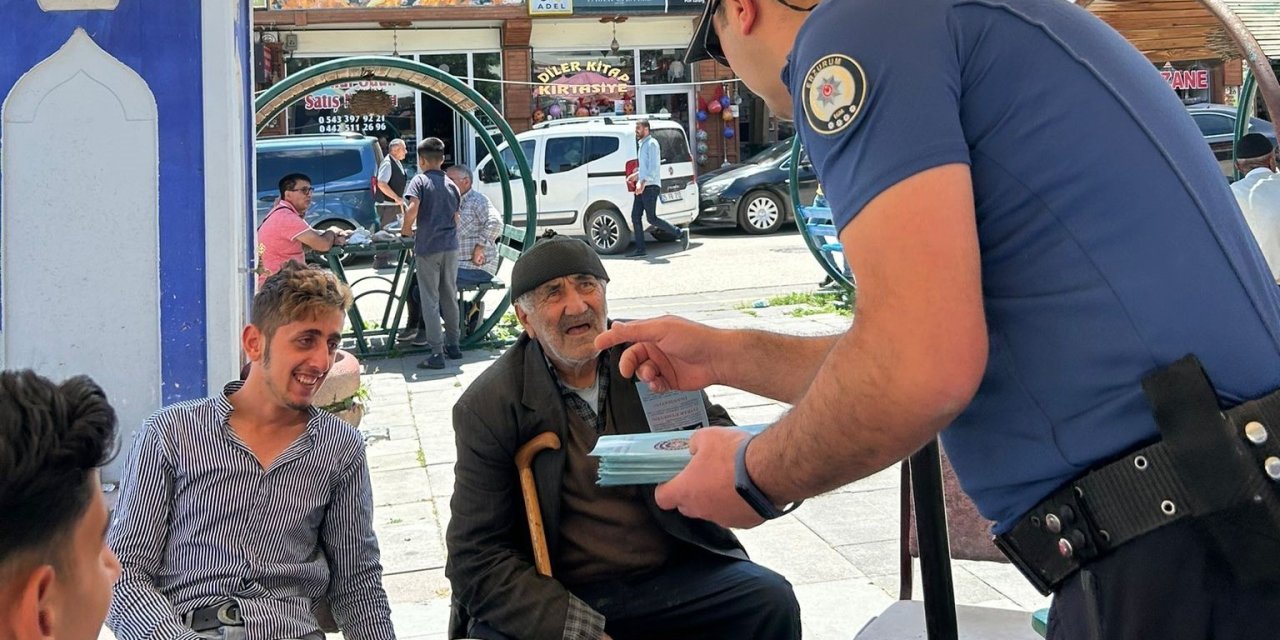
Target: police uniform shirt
{"x":1110,"y":243}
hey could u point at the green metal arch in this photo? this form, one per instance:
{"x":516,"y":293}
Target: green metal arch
{"x":793,"y":183}
{"x":462,"y":99}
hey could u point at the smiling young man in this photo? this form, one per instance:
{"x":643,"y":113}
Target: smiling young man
{"x":240,"y":511}
{"x":56,"y":570}
{"x":621,"y":565}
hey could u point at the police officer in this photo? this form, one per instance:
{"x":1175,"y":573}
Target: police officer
{"x":1036,"y":227}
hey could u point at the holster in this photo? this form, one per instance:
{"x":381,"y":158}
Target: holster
{"x":1220,"y":470}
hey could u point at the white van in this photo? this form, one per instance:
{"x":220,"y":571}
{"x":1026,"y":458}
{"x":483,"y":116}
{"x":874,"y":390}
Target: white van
{"x":579,"y":170}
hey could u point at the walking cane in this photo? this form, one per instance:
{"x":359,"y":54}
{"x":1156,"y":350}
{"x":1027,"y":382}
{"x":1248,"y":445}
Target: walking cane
{"x":524,"y":465}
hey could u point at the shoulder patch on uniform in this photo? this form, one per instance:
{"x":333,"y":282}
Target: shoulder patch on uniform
{"x":835,"y":88}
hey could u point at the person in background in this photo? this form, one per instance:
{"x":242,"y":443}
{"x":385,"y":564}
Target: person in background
{"x":433,"y":207}
{"x":285,"y":231}
{"x":391,"y":183}
{"x":648,"y":181}
{"x":1258,"y":193}
{"x":56,"y":569}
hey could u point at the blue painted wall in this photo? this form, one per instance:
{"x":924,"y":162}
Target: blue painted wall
{"x":160,"y":40}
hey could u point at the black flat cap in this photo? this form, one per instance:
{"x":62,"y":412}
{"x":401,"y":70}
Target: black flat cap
{"x":1253,"y":145}
{"x":553,"y":256}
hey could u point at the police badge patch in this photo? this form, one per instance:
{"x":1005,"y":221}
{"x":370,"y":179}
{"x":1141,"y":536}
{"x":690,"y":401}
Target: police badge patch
{"x":834,"y":91}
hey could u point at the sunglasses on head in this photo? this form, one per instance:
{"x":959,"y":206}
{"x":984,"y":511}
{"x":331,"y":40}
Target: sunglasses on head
{"x":706,"y":42}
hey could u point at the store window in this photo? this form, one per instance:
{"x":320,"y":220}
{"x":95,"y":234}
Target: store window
{"x":580,"y":83}
{"x":330,"y":110}
{"x":662,"y":66}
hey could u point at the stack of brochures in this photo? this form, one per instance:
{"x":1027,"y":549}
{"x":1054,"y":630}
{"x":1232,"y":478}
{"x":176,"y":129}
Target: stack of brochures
{"x":647,"y":458}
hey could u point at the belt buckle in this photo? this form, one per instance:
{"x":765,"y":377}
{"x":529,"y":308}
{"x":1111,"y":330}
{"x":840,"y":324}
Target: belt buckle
{"x":229,"y":614}
{"x":1025,"y":569}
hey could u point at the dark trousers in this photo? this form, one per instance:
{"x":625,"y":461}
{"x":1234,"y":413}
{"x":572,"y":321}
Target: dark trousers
{"x":1168,"y":584}
{"x":700,"y":596}
{"x":466,"y":278}
{"x":646,"y":205}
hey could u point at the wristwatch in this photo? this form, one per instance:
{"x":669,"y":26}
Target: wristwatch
{"x":752,"y":494}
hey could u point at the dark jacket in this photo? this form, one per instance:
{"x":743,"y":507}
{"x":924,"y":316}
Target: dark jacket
{"x":490,"y":563}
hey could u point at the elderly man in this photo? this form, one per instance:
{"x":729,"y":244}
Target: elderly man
{"x":392,"y":180}
{"x":1258,"y":193}
{"x":621,"y":564}
{"x":479,"y":225}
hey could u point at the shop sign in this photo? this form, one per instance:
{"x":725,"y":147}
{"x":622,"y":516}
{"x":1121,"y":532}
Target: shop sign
{"x":593,"y":77}
{"x":340,"y":123}
{"x":381,"y":4}
{"x":550,"y":7}
{"x":619,"y":6}
{"x":1189,"y":79}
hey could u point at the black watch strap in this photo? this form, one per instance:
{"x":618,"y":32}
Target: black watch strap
{"x":752,"y":494}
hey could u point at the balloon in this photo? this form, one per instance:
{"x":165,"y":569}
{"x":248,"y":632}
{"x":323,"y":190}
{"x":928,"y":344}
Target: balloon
{"x":714,"y":107}
{"x":702,"y":158}
{"x":628,"y":107}
{"x":701,"y":135}
{"x":701,"y":115}
{"x":582,"y":112}
{"x":726,"y":115}
{"x":702,"y":147}
{"x":702,"y":104}
{"x":728,"y":132}
{"x":554,"y":110}
{"x":539,"y":116}
{"x":725,"y":101}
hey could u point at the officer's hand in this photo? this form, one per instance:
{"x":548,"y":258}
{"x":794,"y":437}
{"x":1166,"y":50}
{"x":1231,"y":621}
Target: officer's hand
{"x":705,"y":488}
{"x":669,"y":353}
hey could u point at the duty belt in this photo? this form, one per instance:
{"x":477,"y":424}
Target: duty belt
{"x":1207,"y":463}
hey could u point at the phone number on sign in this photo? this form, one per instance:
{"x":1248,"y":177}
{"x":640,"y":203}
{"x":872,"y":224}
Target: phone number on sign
{"x":361,"y":120}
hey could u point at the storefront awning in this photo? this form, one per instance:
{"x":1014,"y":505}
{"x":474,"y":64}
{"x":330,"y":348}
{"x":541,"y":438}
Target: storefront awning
{"x":1172,"y":30}
{"x":1263,"y":19}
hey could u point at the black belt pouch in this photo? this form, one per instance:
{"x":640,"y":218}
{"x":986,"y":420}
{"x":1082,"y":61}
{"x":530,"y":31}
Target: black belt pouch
{"x":1235,"y":503}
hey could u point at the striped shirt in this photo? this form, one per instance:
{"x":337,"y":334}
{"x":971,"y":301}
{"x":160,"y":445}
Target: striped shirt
{"x":200,"y":522}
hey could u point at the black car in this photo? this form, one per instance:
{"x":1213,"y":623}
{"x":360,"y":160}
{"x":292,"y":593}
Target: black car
{"x":1218,"y":124}
{"x":754,"y":195}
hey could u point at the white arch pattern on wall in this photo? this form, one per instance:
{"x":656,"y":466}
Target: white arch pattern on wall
{"x":79,"y":237}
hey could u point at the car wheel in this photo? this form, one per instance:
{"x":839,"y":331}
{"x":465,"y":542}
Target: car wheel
{"x":760,"y":212}
{"x":607,"y":231}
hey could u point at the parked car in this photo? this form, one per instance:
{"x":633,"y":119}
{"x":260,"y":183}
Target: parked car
{"x":343,"y":168}
{"x":1217,"y":123}
{"x":756,"y":195}
{"x":579,"y":170}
